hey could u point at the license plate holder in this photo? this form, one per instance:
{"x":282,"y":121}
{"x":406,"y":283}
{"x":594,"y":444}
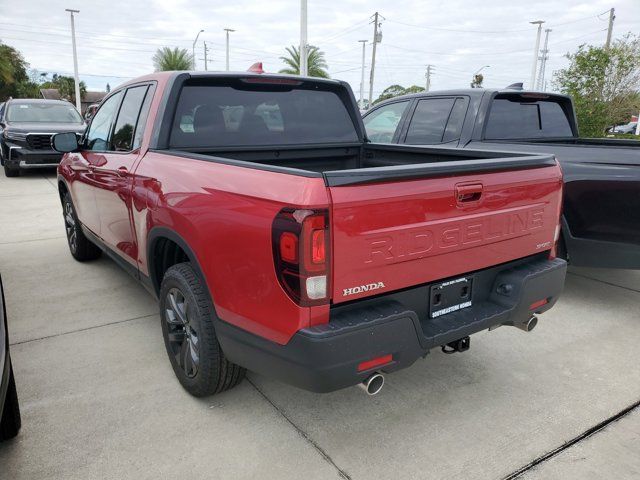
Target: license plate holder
{"x":450,"y":296}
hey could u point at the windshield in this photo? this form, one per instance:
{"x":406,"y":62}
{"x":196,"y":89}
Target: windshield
{"x":217,"y":115}
{"x":42,"y":113}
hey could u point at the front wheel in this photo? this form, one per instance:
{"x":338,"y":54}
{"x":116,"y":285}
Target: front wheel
{"x":187,"y":316}
{"x":81,"y":248}
{"x":11,"y":421}
{"x":11,"y":171}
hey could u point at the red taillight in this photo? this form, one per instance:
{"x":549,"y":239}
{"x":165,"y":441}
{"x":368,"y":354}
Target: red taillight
{"x":289,"y":247}
{"x":375,"y":362}
{"x":301,"y":254}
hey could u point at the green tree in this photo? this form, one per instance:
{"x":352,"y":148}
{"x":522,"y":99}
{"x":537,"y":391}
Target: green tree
{"x":316,"y":63}
{"x":478,"y":78}
{"x":396,"y":91}
{"x":604,"y":84}
{"x":176,"y":58}
{"x":14,"y":79}
{"x":66,"y":86}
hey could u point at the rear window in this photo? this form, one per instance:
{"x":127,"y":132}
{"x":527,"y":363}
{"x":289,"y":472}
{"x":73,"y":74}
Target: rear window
{"x":42,"y":113}
{"x":512,"y":118}
{"x":219,"y":115}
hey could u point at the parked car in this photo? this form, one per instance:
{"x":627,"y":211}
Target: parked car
{"x":288,"y":246}
{"x":601,"y":212}
{"x":90,"y":111}
{"x":10,"y":420}
{"x":26,"y":127}
{"x":627,"y":128}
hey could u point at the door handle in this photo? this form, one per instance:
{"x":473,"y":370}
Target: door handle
{"x":122,"y":171}
{"x":469,"y":193}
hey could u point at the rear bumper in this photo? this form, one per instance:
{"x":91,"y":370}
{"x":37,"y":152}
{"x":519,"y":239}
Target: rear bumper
{"x":326,"y":357}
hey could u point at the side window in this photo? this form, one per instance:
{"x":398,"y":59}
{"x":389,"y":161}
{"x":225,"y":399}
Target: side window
{"x":100,"y":129}
{"x":429,"y":121}
{"x":456,"y":120}
{"x":127,"y":119}
{"x":142,"y":118}
{"x":381,"y":125}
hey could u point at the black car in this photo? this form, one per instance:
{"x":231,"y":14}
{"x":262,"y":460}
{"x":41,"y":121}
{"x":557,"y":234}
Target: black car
{"x":26,"y":127}
{"x":9,"y":410}
{"x":601,"y":212}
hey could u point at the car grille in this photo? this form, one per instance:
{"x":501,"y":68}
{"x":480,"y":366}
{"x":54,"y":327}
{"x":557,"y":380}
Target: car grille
{"x":37,"y":141}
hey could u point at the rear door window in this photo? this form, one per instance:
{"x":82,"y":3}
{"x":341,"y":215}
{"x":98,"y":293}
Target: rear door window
{"x":429,"y":121}
{"x":382,"y":124}
{"x":513,"y":118}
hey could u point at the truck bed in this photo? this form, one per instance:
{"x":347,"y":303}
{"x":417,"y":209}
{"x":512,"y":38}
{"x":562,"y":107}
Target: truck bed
{"x":369,"y":163}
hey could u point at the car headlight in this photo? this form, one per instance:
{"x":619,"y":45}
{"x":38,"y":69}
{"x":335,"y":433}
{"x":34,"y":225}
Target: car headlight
{"x":21,"y":137}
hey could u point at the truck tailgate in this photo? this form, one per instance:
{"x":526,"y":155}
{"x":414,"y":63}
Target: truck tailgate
{"x":397,"y":234}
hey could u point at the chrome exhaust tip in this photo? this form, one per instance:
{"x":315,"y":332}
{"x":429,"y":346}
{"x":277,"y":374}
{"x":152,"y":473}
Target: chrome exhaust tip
{"x":529,"y":324}
{"x":373,"y":384}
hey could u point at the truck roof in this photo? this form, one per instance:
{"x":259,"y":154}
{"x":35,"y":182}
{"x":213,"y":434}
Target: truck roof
{"x":166,"y":76}
{"x":473,"y":93}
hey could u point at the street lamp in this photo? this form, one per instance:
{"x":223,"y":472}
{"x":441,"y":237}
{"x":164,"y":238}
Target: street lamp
{"x":535,"y":52}
{"x":75,"y":59}
{"x":228,"y":30}
{"x":193,"y":50}
{"x":480,"y":69}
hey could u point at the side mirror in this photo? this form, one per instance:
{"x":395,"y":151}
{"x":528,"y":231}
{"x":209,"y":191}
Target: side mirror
{"x":65,"y":142}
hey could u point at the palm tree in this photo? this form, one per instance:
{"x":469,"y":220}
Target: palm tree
{"x":176,"y":58}
{"x":316,"y":64}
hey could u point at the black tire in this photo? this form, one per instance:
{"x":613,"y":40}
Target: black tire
{"x":11,"y":422}
{"x":187,"y":316}
{"x":81,"y":248}
{"x":11,"y":171}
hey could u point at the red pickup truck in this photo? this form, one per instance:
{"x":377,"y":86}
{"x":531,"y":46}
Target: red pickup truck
{"x":277,"y":239}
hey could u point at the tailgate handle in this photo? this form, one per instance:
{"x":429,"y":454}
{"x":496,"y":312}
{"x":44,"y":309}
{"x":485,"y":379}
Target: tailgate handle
{"x":468,"y":193}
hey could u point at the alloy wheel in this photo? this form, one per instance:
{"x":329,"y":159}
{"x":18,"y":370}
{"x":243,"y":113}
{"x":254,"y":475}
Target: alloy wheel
{"x":70,"y":226}
{"x":182,"y":332}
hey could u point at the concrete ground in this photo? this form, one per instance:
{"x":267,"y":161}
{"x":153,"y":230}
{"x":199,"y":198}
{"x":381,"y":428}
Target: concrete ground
{"x":99,"y":398}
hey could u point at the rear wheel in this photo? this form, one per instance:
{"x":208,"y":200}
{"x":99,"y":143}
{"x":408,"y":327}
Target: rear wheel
{"x":11,"y":421}
{"x":80,"y":246}
{"x":187,"y":316}
{"x":11,"y":171}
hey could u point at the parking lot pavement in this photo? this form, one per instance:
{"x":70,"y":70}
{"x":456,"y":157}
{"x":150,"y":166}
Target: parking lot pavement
{"x":100,"y":400}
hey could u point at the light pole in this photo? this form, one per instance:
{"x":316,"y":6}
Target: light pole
{"x":532,"y":85}
{"x":75,"y":59}
{"x":364,"y":45}
{"x":228,"y":30}
{"x":304,"y":67}
{"x":193,"y":49}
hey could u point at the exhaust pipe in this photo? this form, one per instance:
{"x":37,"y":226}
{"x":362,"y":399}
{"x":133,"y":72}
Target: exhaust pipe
{"x":528,"y":325}
{"x":373,"y":384}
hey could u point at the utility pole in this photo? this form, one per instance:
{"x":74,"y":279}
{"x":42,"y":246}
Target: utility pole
{"x":228,"y":30}
{"x":75,"y":59}
{"x":364,"y":46}
{"x":430,"y":71}
{"x":304,"y":68}
{"x":377,"y":38}
{"x":532,"y":84}
{"x":612,"y":17}
{"x":193,"y":50}
{"x":206,"y":63}
{"x":543,"y":60}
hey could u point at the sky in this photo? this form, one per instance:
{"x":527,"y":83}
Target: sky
{"x":117,"y":39}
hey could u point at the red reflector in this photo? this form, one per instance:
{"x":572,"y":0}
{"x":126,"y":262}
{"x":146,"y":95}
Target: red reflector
{"x":318,"y":254}
{"x":538,"y":304}
{"x":289,"y":247}
{"x":375,"y":362}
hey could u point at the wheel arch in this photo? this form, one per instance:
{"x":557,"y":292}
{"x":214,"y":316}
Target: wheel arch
{"x":157,"y":266}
